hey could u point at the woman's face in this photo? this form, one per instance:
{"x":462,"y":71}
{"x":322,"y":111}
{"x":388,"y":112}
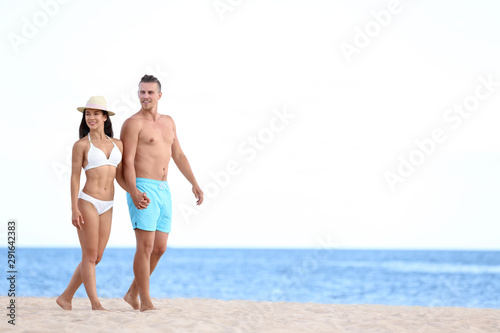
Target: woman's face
{"x":94,"y":118}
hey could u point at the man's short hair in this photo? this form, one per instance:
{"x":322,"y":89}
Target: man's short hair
{"x":150,"y":78}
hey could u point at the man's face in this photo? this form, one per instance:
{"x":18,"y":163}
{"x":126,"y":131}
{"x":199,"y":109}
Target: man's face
{"x":149,"y":95}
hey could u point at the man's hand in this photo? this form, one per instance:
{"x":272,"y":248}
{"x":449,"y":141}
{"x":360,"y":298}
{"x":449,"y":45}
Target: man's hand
{"x":77,"y":219}
{"x":140,"y":199}
{"x":198,"y":193}
{"x":145,"y":200}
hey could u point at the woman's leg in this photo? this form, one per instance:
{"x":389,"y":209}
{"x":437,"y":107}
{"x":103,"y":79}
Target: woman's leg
{"x":66,"y":297}
{"x":104,"y":232}
{"x":89,"y":241}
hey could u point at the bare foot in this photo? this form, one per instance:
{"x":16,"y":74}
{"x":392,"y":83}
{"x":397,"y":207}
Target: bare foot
{"x":147,"y":307}
{"x":63,"y":303}
{"x":133,"y":301}
{"x":99,"y":307}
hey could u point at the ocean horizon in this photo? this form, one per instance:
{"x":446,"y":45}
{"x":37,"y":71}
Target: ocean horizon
{"x":463,"y":278}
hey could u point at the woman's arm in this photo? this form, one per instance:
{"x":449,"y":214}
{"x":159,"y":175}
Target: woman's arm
{"x":120,"y":179}
{"x":76,"y":170}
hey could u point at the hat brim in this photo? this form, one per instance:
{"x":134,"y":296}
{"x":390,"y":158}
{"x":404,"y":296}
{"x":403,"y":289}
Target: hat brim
{"x":82,"y":109}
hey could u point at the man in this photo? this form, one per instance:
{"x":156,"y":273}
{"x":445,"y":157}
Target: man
{"x":149,"y":140}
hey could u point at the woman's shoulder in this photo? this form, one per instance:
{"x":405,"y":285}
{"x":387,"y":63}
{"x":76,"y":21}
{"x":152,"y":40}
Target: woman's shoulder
{"x":118,"y":142}
{"x":82,"y":143}
{"x":115,"y":140}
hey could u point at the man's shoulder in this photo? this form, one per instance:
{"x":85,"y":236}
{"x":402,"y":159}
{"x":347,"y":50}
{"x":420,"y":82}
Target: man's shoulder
{"x":133,"y":121}
{"x":134,"y":118}
{"x":166,"y":117}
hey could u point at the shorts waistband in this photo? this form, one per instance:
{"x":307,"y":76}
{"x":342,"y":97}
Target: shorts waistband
{"x":151,"y":181}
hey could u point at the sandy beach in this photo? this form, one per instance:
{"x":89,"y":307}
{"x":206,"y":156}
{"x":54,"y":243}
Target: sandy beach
{"x":37,"y":314}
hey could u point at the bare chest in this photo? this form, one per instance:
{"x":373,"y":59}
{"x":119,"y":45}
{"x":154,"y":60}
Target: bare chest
{"x":156,"y":135}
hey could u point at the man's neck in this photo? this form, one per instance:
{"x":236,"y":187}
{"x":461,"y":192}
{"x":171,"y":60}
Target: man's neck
{"x":151,"y":113}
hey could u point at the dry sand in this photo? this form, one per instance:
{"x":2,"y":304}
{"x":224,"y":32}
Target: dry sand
{"x":37,"y":314}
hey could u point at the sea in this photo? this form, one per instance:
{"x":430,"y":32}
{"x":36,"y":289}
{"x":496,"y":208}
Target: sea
{"x":391,"y":277}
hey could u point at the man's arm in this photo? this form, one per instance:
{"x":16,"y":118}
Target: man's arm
{"x":183,"y":164}
{"x":130,"y":138}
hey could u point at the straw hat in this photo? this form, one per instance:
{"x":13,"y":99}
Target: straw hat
{"x":97,"y":103}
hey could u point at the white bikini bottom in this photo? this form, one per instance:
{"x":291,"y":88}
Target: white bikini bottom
{"x":100,"y":205}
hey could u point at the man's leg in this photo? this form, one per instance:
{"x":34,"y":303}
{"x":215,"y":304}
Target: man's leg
{"x":159,"y":248}
{"x":142,"y":259}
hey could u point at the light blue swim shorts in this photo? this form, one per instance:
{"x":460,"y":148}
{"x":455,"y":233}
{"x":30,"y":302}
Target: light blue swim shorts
{"x":158,"y":214}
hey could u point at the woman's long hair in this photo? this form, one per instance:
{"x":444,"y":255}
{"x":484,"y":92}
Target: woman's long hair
{"x":108,"y":128}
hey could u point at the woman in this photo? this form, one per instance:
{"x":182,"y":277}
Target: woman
{"x":100,"y":156}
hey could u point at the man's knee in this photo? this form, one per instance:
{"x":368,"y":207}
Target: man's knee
{"x":145,"y":247}
{"x":145,"y":241}
{"x":159,"y":250}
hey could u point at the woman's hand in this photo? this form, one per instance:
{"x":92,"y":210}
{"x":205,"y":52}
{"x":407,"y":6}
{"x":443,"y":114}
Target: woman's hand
{"x":77,"y":219}
{"x":145,"y":201}
{"x":140,"y":199}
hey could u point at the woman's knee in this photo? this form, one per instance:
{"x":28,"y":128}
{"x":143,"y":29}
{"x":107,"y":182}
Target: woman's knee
{"x":90,"y":256}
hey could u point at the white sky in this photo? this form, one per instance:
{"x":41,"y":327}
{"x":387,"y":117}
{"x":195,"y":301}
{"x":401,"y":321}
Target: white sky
{"x":321,"y":177}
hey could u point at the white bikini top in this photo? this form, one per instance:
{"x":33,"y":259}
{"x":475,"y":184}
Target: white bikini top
{"x":97,"y":158}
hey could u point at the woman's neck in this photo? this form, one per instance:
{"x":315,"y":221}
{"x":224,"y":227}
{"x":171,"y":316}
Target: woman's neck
{"x":97,"y":134}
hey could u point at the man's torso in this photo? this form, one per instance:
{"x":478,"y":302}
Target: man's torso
{"x":154,"y":147}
